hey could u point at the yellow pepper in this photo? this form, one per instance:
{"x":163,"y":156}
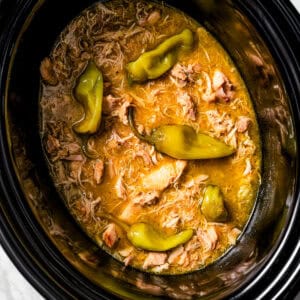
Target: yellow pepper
{"x":212,"y":206}
{"x":89,"y":92}
{"x":182,"y":141}
{"x":154,"y":63}
{"x":145,"y":237}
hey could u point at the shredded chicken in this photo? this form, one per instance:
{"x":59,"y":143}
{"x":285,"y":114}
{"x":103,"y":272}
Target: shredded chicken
{"x":120,"y":187}
{"x":52,"y":144}
{"x":117,"y":107}
{"x":176,"y":256}
{"x":222,"y":86}
{"x":110,"y":235}
{"x":98,"y":170}
{"x":171,"y":220}
{"x":208,"y":238}
{"x":248,"y":167}
{"x":221,"y":123}
{"x":219,"y":88}
{"x":72,"y":148}
{"x":47,"y":72}
{"x":63,"y":151}
{"x":154,"y":259}
{"x":207,"y":93}
{"x":188,"y":106}
{"x":178,"y":71}
{"x":242,"y":124}
{"x":74,"y":169}
{"x":121,"y":112}
{"x":146,"y":198}
{"x":192,"y":244}
{"x":184,"y":74}
{"x":115,"y":140}
{"x":110,"y":103}
{"x":150,"y":19}
{"x":145,"y":155}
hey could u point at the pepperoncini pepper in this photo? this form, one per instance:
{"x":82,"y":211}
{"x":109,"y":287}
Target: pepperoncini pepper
{"x":145,"y":237}
{"x":89,"y":92}
{"x":182,"y":141}
{"x":154,"y":63}
{"x":212,"y":206}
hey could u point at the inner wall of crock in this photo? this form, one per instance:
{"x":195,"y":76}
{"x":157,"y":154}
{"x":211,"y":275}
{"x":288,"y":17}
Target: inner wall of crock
{"x":258,"y":69}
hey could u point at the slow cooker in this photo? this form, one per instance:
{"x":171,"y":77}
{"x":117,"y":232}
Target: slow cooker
{"x":45,"y":243}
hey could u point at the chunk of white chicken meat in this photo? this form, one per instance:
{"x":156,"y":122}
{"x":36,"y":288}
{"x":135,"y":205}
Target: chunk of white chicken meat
{"x":219,"y":88}
{"x":150,"y":188}
{"x":242,"y":124}
{"x":154,"y":259}
{"x":205,"y":87}
{"x":110,"y":235}
{"x":164,"y":176}
{"x":188,"y":106}
{"x":222,"y":86}
{"x":208,"y":238}
{"x":178,"y":256}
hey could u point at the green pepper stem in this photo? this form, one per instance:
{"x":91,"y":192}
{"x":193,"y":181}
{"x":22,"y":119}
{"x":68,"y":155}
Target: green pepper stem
{"x":133,"y":128}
